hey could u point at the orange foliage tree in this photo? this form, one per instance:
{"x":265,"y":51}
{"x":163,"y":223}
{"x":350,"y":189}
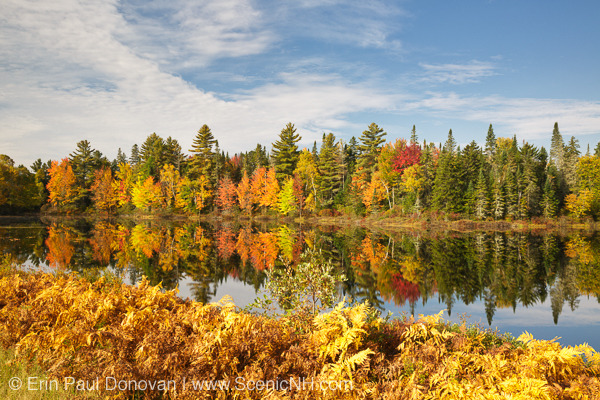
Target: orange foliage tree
{"x":225,"y":196}
{"x":244,"y":194}
{"x":123,"y":184}
{"x":103,"y":191}
{"x":61,"y":187}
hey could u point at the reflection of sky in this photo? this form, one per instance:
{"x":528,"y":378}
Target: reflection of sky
{"x":574,"y":327}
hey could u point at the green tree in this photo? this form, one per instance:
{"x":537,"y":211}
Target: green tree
{"x":329,"y":181}
{"x":481,"y":206}
{"x":549,"y":201}
{"x":285,"y":152}
{"x":447,"y":188}
{"x":85,"y":161}
{"x":371,"y":142}
{"x":202,"y":161}
{"x":287,"y":200}
{"x":152,"y":156}
{"x":490,"y":145}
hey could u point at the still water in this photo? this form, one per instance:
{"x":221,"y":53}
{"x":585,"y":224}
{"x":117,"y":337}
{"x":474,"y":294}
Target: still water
{"x":547,"y":285}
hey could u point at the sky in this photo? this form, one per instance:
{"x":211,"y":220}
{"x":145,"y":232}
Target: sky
{"x":113,"y":72}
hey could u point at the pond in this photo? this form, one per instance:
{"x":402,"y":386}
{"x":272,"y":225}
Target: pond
{"x":545,"y":284}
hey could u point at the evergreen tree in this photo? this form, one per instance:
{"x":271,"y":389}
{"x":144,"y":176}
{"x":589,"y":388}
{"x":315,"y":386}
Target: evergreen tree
{"x":597,"y":150}
{"x":481,"y":197}
{"x":152,"y":156}
{"x":557,"y":148}
{"x":447,"y":191}
{"x":202,"y":161}
{"x":173,"y":154}
{"x":498,"y":200}
{"x":511,"y":195}
{"x":285,"y":152}
{"x":414,"y":139}
{"x":134,"y":160}
{"x":121,"y":157}
{"x":371,"y":141}
{"x":549,"y":201}
{"x":490,"y":145}
{"x":571,"y":156}
{"x":351,"y":154}
{"x":329,"y":177}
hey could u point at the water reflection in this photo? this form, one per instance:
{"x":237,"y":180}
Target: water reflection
{"x":501,"y":270}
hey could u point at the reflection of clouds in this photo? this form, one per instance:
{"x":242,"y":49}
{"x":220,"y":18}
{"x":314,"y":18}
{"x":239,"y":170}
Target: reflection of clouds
{"x":242,"y":294}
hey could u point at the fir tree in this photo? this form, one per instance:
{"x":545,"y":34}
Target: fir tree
{"x":152,"y":156}
{"x":414,"y":139}
{"x":285,"y":152}
{"x":202,"y":161}
{"x":329,"y":179}
{"x":549,"y":201}
{"x":121,"y":157}
{"x":351,"y":154}
{"x":134,"y":160}
{"x":557,"y":148}
{"x":481,"y":197}
{"x":371,"y":141}
{"x":447,"y":191}
{"x":490,"y":145}
{"x":498,"y":200}
{"x":571,"y":156}
{"x":597,"y":150}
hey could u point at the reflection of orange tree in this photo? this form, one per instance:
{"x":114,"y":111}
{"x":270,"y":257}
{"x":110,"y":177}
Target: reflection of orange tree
{"x":264,"y":250}
{"x":144,"y":240}
{"x":225,"y":241}
{"x":104,"y":235}
{"x":60,"y":246}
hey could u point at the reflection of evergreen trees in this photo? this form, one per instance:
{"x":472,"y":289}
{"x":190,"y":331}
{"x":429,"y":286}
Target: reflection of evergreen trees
{"x":498,"y":269}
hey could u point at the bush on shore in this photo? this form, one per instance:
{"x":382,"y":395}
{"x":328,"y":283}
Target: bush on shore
{"x":105,"y":329}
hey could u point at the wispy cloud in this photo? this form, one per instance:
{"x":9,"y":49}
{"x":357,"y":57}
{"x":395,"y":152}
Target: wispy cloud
{"x":457,"y":74}
{"x":528,"y":118}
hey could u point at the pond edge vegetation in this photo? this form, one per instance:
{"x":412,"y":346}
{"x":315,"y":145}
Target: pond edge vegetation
{"x":74,"y":327}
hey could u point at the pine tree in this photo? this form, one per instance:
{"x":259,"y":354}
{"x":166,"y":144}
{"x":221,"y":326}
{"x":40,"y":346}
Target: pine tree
{"x":498,"y":200}
{"x":173,"y":154}
{"x":481,"y":197}
{"x":447,"y":190}
{"x":83,"y":164}
{"x":285,"y":152}
{"x":414,"y":139}
{"x":557,"y":148}
{"x":490,"y":145}
{"x":371,"y":141}
{"x":121,"y":157}
{"x":329,"y":179}
{"x":571,"y":156}
{"x":549,"y":201}
{"x":351,"y":154}
{"x":202,"y":161}
{"x":134,"y":160}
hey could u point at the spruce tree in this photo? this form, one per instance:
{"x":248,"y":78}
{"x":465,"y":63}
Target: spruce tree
{"x":549,"y":201}
{"x":490,"y":145}
{"x":597,"y":150}
{"x":371,"y":141}
{"x":285,"y":152}
{"x":351,"y":154}
{"x":202,"y":161}
{"x":121,"y":157}
{"x":481,"y":197}
{"x":498,"y":200}
{"x":329,"y":179}
{"x":173,"y":154}
{"x":84,"y":164}
{"x":414,"y":139}
{"x":152,"y":155}
{"x":571,"y":156}
{"x":134,"y":160}
{"x":557,"y":148}
{"x":511,"y":195}
{"x":447,"y":191}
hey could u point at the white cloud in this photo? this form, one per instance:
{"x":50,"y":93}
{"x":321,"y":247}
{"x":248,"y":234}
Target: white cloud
{"x":528,"y":118}
{"x":457,"y":74}
{"x":67,"y":77}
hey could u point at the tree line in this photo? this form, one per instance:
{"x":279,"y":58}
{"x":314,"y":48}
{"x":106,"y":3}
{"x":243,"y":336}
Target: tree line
{"x":501,"y":180}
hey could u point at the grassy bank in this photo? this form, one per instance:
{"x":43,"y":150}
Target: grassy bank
{"x":109,"y":332}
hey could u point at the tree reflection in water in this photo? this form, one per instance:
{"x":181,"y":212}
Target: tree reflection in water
{"x":500,"y":269}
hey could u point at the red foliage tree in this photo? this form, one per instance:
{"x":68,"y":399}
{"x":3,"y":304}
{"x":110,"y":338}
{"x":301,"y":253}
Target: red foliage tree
{"x":407,"y":156}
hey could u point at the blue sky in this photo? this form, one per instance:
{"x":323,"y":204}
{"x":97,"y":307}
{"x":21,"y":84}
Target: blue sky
{"x":113,"y":72}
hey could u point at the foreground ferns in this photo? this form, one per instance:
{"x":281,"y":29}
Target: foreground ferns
{"x":100,"y":330}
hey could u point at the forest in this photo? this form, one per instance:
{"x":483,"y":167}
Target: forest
{"x":503,"y":180}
